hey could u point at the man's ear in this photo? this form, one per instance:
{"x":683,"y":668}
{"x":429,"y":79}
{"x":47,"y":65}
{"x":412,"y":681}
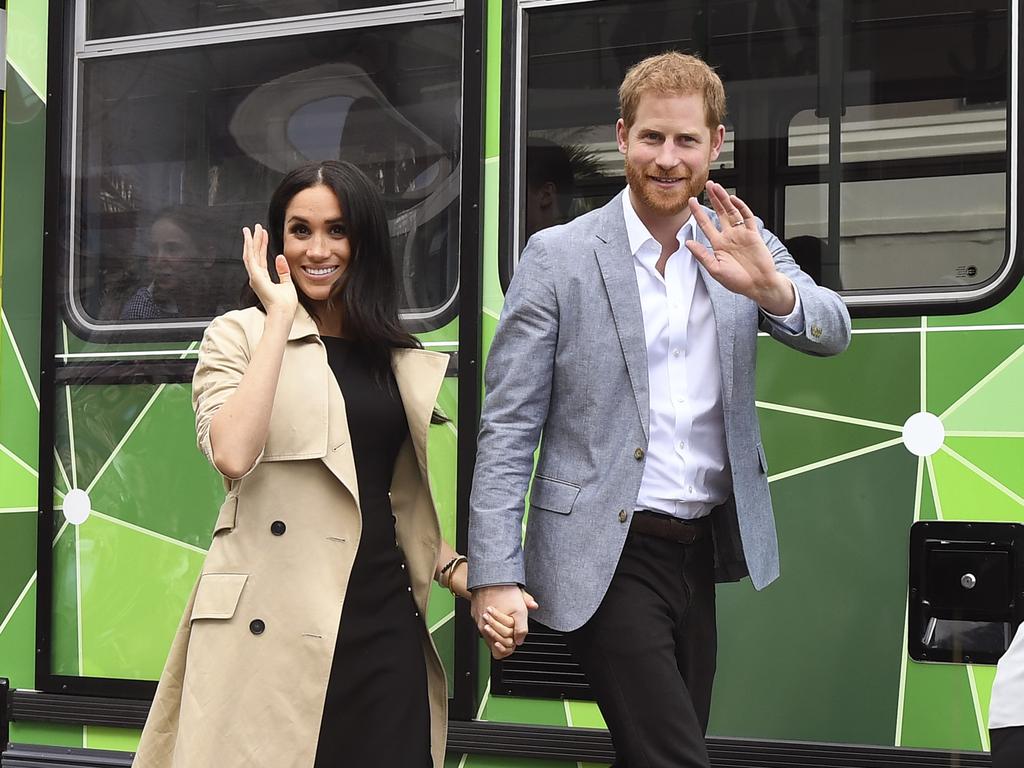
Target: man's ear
{"x":622,"y":135}
{"x":717,"y":142}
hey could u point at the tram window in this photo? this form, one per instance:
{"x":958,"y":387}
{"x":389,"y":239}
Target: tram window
{"x":940,"y":232}
{"x":180,"y":148}
{"x":919,"y":93}
{"x":121,"y":18}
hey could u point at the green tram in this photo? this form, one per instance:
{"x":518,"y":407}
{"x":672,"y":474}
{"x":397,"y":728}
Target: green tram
{"x":880,"y":140}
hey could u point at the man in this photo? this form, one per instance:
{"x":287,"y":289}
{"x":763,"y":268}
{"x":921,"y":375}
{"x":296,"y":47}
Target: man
{"x":628,"y":340}
{"x":549,"y":185}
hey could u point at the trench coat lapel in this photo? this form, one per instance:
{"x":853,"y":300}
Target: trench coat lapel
{"x":338,"y":457}
{"x":419,"y":374}
{"x":617,"y":271}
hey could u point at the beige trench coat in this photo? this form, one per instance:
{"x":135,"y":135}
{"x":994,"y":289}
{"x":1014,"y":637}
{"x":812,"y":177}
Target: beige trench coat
{"x":246,"y":676}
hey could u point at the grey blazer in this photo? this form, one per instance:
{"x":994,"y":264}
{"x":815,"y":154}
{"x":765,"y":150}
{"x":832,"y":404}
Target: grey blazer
{"x":568,"y":368}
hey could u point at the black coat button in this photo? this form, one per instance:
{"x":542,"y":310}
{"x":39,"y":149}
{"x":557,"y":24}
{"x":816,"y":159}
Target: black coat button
{"x":256,"y":626}
{"x":278,"y":528}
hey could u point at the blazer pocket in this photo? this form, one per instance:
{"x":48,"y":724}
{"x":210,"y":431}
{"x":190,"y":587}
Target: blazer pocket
{"x":762,"y":458}
{"x":217,"y":595}
{"x":553,"y":495}
{"x":226,"y":516}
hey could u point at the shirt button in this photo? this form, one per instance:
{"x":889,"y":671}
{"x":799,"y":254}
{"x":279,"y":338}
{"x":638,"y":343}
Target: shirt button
{"x":256,"y":626}
{"x":691,"y":489}
{"x":638,"y":454}
{"x":675,"y":353}
{"x":682,"y":445}
{"x":278,"y":528}
{"x":622,"y":516}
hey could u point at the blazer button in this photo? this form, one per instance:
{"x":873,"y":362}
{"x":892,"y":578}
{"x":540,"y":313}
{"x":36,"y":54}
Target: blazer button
{"x":256,"y":626}
{"x":638,"y":454}
{"x":623,"y":516}
{"x":278,"y":528}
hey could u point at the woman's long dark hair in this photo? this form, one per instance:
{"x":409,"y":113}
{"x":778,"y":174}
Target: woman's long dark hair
{"x":366,"y":294}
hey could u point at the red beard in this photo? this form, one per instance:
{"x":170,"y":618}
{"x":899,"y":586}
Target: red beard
{"x":662,"y":201}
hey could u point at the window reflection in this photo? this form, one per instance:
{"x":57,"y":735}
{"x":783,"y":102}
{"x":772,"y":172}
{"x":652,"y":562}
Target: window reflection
{"x":119,"y":18}
{"x":180,"y":149}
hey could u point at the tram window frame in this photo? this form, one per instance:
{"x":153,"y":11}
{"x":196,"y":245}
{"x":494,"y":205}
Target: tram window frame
{"x":910,"y":300}
{"x":82,"y":51}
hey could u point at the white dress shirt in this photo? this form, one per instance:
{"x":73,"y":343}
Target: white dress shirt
{"x":687,"y":469}
{"x":1006,"y":708}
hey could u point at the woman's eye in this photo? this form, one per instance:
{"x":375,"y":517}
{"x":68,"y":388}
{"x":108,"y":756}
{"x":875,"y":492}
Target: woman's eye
{"x":299,"y":229}
{"x":338,"y":230}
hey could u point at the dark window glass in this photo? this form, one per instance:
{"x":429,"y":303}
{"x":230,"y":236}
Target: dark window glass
{"x":119,"y":18}
{"x":917,"y":90}
{"x":179,"y":149}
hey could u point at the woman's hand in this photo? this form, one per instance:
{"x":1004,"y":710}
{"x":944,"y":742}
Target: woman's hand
{"x":277,"y":298}
{"x":498,"y":631}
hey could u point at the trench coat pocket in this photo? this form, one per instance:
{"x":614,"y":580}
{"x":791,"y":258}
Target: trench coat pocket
{"x":226,"y":516}
{"x":553,"y":495}
{"x":217,"y":595}
{"x":762,"y":458}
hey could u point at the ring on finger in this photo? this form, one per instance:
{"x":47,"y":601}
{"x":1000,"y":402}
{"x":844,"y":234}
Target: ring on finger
{"x":739,"y":221}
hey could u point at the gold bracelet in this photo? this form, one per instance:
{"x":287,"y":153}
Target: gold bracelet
{"x":455,"y":564}
{"x":447,"y":567}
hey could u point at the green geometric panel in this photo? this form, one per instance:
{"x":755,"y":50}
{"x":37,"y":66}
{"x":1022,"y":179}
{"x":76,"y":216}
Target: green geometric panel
{"x":1000,"y":457}
{"x":46,"y":733}
{"x":24,"y":133}
{"x":441,"y":604}
{"x":513,"y":709}
{"x":938,"y":710}
{"x":18,"y":487}
{"x":586,"y":714}
{"x":792,"y":440}
{"x":118,"y":739}
{"x":959,"y":360}
{"x":102,"y":414}
{"x":159,"y":480}
{"x":816,"y":656}
{"x":996,"y":406}
{"x":19,"y":416}
{"x":964,"y":495}
{"x":850,"y":384}
{"x":62,"y":441}
{"x":482,"y":761}
{"x":64,"y":633}
{"x":927,"y":511}
{"x":134,"y":589}
{"x":18,"y":641}
{"x":443,"y":471}
{"x":17,"y":556}
{"x":27,"y":40}
{"x":1007,"y":312}
{"x":983,"y":679}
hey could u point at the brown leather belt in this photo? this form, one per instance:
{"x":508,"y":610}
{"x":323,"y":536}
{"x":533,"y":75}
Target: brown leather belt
{"x":674,"y":529}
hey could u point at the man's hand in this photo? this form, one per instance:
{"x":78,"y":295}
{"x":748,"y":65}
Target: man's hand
{"x":740,"y":260}
{"x":493,"y":608}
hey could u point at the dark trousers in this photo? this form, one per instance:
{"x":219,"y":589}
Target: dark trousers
{"x":649,"y":652}
{"x":1007,"y":747}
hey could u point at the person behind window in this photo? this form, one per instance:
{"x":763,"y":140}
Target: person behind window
{"x":550,"y":184}
{"x":181,"y":256}
{"x":1006,"y":708}
{"x":305,"y":640}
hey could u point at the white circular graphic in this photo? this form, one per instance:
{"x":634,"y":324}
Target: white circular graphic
{"x":77,"y":506}
{"x":923,"y":434}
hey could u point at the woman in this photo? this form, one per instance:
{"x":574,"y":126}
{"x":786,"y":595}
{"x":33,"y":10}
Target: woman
{"x":305,"y":640}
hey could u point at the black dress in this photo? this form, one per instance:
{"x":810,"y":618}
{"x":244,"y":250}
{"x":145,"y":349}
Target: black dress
{"x":376,"y":712}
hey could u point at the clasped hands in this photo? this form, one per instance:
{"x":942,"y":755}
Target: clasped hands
{"x":501,"y":614}
{"x":739,"y":259}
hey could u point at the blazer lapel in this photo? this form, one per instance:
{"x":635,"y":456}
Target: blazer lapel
{"x":419,"y":374}
{"x":723,"y":303}
{"x":616,"y":264}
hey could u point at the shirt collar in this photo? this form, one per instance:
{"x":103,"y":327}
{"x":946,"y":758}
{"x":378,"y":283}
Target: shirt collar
{"x":638,"y":233}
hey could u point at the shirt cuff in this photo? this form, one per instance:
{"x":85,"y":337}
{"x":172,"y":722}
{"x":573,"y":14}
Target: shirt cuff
{"x":794,"y":321}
